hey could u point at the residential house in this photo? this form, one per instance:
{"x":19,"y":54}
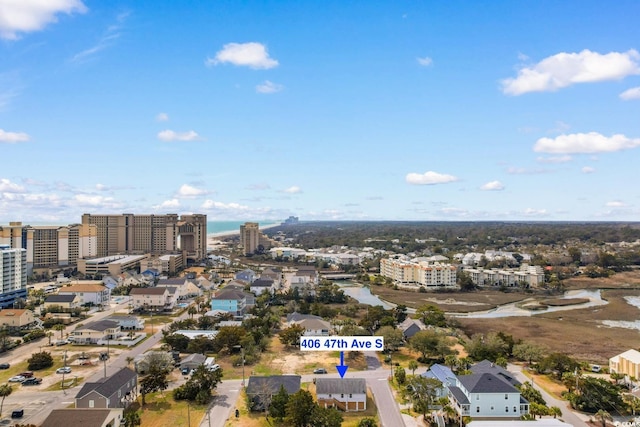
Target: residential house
{"x":116,"y":391}
{"x":231,"y":301}
{"x":296,"y":317}
{"x":92,"y":293}
{"x":315,"y":327}
{"x":141,"y":361}
{"x":305,"y":280}
{"x":274,"y":274}
{"x":348,"y":394}
{"x":152,"y":299}
{"x":61,"y":302}
{"x":246,"y":275}
{"x":410,"y":327}
{"x":488,"y":367}
{"x":84,"y":418}
{"x":192,"y":361}
{"x":261,"y":285}
{"x":443,"y":374}
{"x":197,"y":333}
{"x":18,"y":318}
{"x":543,"y":422}
{"x":260,"y":389}
{"x":486,"y":396}
{"x":127,"y":323}
{"x":186,"y":287}
{"x":627,"y":363}
{"x":99,"y":332}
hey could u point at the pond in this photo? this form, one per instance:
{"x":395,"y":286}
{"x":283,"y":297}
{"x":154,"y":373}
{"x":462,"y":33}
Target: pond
{"x":362,"y":294}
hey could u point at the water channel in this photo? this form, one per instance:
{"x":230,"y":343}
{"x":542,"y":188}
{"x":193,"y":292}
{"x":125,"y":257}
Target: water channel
{"x":363,"y":295}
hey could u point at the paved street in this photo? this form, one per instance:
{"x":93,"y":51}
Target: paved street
{"x":568,"y":415}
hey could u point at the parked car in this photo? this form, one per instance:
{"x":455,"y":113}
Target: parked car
{"x":17,"y":413}
{"x":17,"y":379}
{"x":63,"y":370}
{"x":186,"y":371}
{"x":320,"y":371}
{"x":32,"y":381}
{"x":61,"y":342}
{"x":26,"y":374}
{"x":4,"y":366}
{"x":213,"y":367}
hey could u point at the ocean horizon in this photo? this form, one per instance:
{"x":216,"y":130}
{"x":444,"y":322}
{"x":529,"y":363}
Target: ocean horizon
{"x":217,"y":227}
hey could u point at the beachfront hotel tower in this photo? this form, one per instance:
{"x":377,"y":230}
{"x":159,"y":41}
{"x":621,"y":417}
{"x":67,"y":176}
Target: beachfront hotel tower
{"x":252,"y":240}
{"x":13,"y":275}
{"x":152,"y":234}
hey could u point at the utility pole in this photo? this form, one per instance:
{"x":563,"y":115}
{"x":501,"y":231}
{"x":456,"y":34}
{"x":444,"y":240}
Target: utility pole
{"x":242,"y":349}
{"x":64,"y":364}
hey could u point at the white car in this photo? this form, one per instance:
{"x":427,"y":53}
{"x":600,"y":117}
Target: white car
{"x":63,"y":370}
{"x":17,"y":379}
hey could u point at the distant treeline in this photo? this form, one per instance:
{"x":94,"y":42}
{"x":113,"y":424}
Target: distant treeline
{"x":452,"y":235}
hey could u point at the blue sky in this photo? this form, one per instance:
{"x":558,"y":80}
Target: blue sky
{"x":333,"y":110}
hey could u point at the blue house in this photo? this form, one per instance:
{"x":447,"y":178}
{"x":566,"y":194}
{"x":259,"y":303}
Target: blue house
{"x":231,"y":301}
{"x":247,"y":275}
{"x":444,"y":375}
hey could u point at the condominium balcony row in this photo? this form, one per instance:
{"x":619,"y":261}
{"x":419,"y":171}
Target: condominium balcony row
{"x":422,"y":273}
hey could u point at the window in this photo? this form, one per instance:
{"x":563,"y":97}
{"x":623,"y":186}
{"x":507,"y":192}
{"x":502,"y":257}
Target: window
{"x":514,"y":409}
{"x":342,"y":396}
{"x":350,"y":395}
{"x":506,"y":409}
{"x":477,"y":397}
{"x":506,"y":396}
{"x":492,"y":408}
{"x":91,"y":404}
{"x":478,"y":409}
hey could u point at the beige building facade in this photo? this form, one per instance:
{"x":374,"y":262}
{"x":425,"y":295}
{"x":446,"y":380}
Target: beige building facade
{"x":252,"y":239}
{"x":154,"y":234}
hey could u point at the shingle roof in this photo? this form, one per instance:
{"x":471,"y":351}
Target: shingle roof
{"x":14,"y":312}
{"x":100,"y":325}
{"x":441,"y":373}
{"x":59,"y":298}
{"x":487,"y":367}
{"x":83,"y":288}
{"x":459,"y":395}
{"x":486,"y":383}
{"x":233,"y":294}
{"x":107,"y":386}
{"x":147,"y":291}
{"x":257,"y":385}
{"x":296,"y":317}
{"x":76,"y":417}
{"x":341,"y":386}
{"x":179,"y":281}
{"x":262,"y":282}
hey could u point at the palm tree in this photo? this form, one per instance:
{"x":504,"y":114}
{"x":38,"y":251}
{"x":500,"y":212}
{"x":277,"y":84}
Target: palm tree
{"x":59,"y":327}
{"x":413,"y":365}
{"x":5,"y":390}
{"x":604,"y":416}
{"x":555,"y":411}
{"x":451,"y":360}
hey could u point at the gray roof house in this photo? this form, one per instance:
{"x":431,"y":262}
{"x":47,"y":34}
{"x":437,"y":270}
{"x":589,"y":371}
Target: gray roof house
{"x":192,"y":361}
{"x":410,"y":327}
{"x":487,"y":396}
{"x":348,"y":394}
{"x":491,"y":368}
{"x":84,"y":417}
{"x":260,"y":389}
{"x":116,"y":391}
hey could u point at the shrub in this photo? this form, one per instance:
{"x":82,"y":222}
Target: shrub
{"x":40,"y":360}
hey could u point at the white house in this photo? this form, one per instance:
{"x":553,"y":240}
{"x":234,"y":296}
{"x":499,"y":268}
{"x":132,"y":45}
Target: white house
{"x":262,"y":285}
{"x":88,"y":293}
{"x":487,"y":396}
{"x":348,"y":394}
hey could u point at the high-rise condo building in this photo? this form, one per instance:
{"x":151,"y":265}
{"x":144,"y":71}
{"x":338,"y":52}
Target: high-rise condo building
{"x":153,"y":234}
{"x":51,"y":247}
{"x":252,"y":240}
{"x":13,"y":275}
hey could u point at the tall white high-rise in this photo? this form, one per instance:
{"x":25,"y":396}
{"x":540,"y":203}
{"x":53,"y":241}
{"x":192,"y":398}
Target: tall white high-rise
{"x":13,"y":275}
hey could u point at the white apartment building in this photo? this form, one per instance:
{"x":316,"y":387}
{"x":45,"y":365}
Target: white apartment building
{"x":13,"y":275}
{"x":528,"y":274}
{"x":423,"y":273}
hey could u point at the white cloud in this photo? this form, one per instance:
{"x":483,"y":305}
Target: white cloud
{"x":565,"y":69}
{"x":425,"y":62}
{"x":588,"y":169}
{"x":6,"y":186}
{"x":168,"y":204}
{"x":592,"y":142}
{"x":94,"y":200}
{"x":429,"y":178}
{"x":253,"y":55}
{"x":269,"y":87}
{"x":629,"y":94}
{"x":616,"y":204}
{"x":535,"y":212}
{"x":23,"y":16}
{"x":169,"y":135}
{"x":187,"y":191}
{"x":293,"y":190}
{"x":492,"y":186}
{"x":110,"y":35}
{"x":162,"y":117}
{"x":555,"y":159}
{"x":13,"y":137}
{"x":211,"y":204}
